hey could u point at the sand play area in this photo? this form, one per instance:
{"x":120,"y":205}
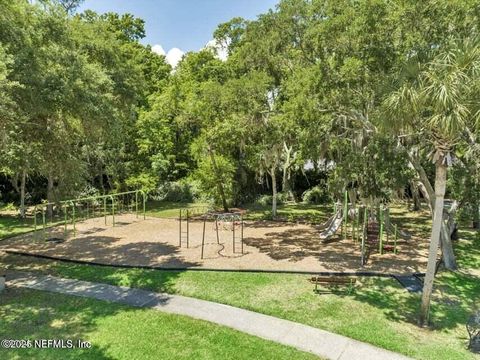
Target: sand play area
{"x":267,"y":245}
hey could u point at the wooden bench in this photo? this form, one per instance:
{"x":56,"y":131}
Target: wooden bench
{"x":332,"y":281}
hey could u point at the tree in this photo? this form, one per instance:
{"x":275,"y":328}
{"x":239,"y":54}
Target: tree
{"x":437,"y":103}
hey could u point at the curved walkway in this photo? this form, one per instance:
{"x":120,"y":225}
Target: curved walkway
{"x":302,"y":337}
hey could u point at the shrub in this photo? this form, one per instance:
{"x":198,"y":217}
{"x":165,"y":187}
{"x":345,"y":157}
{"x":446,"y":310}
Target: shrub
{"x":176,"y":191}
{"x":315,"y":195}
{"x":266,"y":200}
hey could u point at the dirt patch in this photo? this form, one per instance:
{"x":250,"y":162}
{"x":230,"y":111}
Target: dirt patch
{"x":267,"y":246}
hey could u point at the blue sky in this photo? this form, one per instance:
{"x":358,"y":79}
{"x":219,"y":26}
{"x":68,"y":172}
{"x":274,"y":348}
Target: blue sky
{"x":184,"y":24}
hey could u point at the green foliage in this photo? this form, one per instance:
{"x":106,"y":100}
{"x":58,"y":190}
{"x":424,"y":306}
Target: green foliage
{"x":210,"y":176}
{"x":315,"y":195}
{"x":375,"y":171}
{"x":176,"y":191}
{"x":266,"y":200}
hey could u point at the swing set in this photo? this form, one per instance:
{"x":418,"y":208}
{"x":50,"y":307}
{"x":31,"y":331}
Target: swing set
{"x":232,"y":221}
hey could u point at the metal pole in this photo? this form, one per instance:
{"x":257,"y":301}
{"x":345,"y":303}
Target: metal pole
{"x":144,"y":201}
{"x":216,"y":229}
{"x":395,"y":241}
{"x":345,"y":214}
{"x":113,"y":210}
{"x":180,"y":228}
{"x":73,"y":219}
{"x":188,"y":226}
{"x":105,"y":209}
{"x":380,"y":240}
{"x":136,"y":203}
{"x":35,"y":218}
{"x":43,"y":221}
{"x":233,"y":232}
{"x":203,"y":236}
{"x":241,"y":232}
{"x":65,"y":220}
{"x":364,"y":233}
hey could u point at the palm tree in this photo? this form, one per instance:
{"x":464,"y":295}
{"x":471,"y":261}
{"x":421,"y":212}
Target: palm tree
{"x":434,"y":99}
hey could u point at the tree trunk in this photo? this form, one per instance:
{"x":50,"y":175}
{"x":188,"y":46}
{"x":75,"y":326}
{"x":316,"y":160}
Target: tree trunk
{"x":428,"y":192}
{"x":286,"y":180}
{"x":446,"y":238}
{"x":274,"y":192}
{"x":22,"y":193}
{"x":476,"y":216}
{"x":416,"y":197}
{"x":100,"y":173}
{"x":219,"y":182}
{"x":440,"y":185}
{"x":50,"y":196}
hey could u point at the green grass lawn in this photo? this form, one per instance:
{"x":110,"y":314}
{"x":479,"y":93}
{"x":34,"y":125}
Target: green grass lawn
{"x":287,"y":212}
{"x":379,"y":311}
{"x":166,"y":209}
{"x":291,"y":212}
{"x":121,"y":332}
{"x":11,"y":225}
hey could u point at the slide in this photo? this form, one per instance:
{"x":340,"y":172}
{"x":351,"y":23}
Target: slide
{"x":333,"y":227}
{"x":327,"y":223}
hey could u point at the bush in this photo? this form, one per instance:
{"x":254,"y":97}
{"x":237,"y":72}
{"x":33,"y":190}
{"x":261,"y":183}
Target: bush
{"x":315,"y":195}
{"x":266,"y":200}
{"x":175,"y":191}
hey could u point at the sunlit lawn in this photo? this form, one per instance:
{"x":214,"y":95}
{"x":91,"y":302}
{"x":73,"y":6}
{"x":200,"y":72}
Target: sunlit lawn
{"x":11,"y":225}
{"x":121,"y":332}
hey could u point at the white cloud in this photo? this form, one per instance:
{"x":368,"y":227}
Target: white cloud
{"x":174,"y":55}
{"x":220,"y":51}
{"x":158,"y":49}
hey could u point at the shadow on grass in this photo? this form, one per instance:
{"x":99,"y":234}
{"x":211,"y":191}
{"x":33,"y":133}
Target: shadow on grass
{"x":453,"y":300}
{"x":30,"y":314}
{"x":11,"y":225}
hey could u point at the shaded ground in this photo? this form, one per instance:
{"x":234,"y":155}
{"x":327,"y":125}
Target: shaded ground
{"x":268,"y":245}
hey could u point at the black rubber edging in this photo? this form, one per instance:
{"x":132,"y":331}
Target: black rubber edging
{"x":146,"y":267}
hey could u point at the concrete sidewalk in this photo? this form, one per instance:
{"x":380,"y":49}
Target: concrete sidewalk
{"x":302,"y":337}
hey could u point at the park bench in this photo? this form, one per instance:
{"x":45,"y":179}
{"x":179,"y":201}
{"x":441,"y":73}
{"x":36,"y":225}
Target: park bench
{"x":332,"y":281}
{"x":473,"y":329}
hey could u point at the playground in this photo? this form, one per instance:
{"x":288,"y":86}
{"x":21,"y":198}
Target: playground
{"x":201,"y":239}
